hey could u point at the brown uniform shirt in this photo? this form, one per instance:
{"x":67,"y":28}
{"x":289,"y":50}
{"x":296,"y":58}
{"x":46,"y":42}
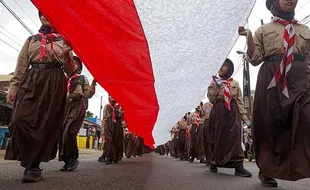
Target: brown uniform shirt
{"x":174,"y":132}
{"x":105,"y":116}
{"x":31,"y":52}
{"x":89,"y":90}
{"x":206,"y":108}
{"x":182,"y":124}
{"x":217,"y":93}
{"x":193,"y":118}
{"x":268,"y":41}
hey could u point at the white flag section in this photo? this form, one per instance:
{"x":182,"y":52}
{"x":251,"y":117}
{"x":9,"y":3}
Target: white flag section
{"x":188,"y":41}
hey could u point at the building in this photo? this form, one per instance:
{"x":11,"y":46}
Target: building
{"x":4,"y":82}
{"x":90,"y":131}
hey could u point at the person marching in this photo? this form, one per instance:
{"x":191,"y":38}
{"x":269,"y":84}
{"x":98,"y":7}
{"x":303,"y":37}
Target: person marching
{"x":183,"y":142}
{"x":111,"y":124}
{"x":206,"y":107}
{"x":282,"y":98}
{"x":119,"y":134}
{"x":38,"y":91}
{"x":78,"y":89}
{"x":175,"y":141}
{"x":200,"y":134}
{"x":225,"y":122}
{"x":195,"y":133}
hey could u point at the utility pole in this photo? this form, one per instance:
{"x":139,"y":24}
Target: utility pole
{"x":262,"y":22}
{"x":247,"y":84}
{"x":247,"y":98}
{"x":100,"y":108}
{"x":17,"y":18}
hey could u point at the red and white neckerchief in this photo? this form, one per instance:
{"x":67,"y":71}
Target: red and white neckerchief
{"x":188,"y":136}
{"x":44,"y":41}
{"x":288,"y":48}
{"x":227,"y":91}
{"x":69,"y":79}
{"x":197,"y":119}
{"x":113,"y":112}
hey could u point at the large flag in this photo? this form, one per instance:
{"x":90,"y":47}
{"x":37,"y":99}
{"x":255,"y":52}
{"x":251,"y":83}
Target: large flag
{"x":155,"y":57}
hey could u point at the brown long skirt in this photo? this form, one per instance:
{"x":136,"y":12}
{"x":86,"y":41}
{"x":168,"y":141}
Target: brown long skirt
{"x":38,"y":116}
{"x":225,"y":135}
{"x":196,"y":150}
{"x":74,"y":117}
{"x":118,"y":140}
{"x":171,"y":148}
{"x":183,"y":144}
{"x":200,"y":142}
{"x":207,"y":145}
{"x":129,"y":145}
{"x":281,"y":126}
{"x":109,"y":145}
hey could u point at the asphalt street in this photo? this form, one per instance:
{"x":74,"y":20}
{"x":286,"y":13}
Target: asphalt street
{"x":150,"y":172}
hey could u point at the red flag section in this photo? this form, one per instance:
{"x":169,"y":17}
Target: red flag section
{"x":108,"y":37}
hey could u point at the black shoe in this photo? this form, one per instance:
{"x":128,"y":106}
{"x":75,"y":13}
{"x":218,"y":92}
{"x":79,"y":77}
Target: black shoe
{"x":181,"y":158}
{"x":192,"y":160}
{"x":115,"y":161}
{"x":267,"y":181}
{"x":213,"y":169}
{"x":25,"y":171}
{"x":202,"y":161}
{"x":108,"y":162}
{"x":101,"y":159}
{"x":73,"y":164}
{"x":32,"y":175}
{"x":64,"y":168}
{"x":240,"y":171}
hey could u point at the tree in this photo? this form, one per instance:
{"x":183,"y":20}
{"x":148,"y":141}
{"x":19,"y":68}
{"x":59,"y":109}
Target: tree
{"x":89,"y":114}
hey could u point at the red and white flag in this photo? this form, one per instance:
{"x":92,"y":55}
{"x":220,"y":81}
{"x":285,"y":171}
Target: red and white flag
{"x":155,"y":57}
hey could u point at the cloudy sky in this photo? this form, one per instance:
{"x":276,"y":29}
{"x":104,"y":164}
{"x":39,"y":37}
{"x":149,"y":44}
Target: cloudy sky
{"x":13,"y":35}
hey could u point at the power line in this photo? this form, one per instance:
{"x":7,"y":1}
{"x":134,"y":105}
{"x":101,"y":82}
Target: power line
{"x":306,"y":17}
{"x":10,"y":33}
{"x":303,"y":6}
{"x":9,"y":44}
{"x":25,"y":12}
{"x":238,"y":70}
{"x":306,"y":22}
{"x":238,"y":67}
{"x":16,"y":17}
{"x":10,"y":39}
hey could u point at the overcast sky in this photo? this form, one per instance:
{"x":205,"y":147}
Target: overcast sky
{"x":29,"y":14}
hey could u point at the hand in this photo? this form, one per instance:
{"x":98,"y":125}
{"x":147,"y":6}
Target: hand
{"x":246,"y":120}
{"x":67,"y":49}
{"x":243,"y":32}
{"x":94,"y":82}
{"x":10,"y":97}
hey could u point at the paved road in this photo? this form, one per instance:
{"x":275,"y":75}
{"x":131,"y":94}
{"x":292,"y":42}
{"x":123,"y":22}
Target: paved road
{"x":151,"y":172}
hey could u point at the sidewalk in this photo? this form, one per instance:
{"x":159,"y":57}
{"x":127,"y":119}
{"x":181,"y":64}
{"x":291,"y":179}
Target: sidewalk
{"x":83,"y":153}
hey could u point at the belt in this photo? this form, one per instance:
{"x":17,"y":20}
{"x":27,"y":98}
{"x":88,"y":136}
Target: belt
{"x":73,"y":99}
{"x":45,"y":66}
{"x":279,"y":57}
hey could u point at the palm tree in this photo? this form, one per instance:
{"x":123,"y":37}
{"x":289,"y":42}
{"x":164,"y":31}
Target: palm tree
{"x":89,"y":114}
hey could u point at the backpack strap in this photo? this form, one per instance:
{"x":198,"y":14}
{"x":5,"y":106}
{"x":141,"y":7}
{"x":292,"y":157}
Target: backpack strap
{"x":82,"y":79}
{"x":30,"y":38}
